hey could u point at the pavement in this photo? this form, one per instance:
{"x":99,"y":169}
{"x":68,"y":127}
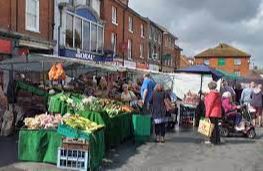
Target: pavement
{"x":184,"y":150}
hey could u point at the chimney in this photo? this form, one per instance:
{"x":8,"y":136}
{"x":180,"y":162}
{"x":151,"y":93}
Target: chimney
{"x":125,"y":2}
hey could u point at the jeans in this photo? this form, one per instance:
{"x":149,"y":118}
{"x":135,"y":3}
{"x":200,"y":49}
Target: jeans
{"x":160,"y":129}
{"x":215,"y":137}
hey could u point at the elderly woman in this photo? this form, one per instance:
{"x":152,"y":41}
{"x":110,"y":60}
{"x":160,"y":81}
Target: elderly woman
{"x":230,"y":110}
{"x":127,"y":96}
{"x":213,"y":111}
{"x":257,"y":102}
{"x":159,"y":112}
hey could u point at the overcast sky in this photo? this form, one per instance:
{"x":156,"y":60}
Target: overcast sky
{"x":201,"y":24}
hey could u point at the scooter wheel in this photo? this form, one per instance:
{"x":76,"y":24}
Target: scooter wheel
{"x":251,"y":134}
{"x":224,"y":132}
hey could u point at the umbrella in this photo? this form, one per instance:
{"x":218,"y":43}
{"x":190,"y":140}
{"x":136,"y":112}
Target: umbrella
{"x":202,"y":70}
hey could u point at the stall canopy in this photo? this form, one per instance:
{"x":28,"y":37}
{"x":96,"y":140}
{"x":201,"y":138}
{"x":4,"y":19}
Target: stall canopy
{"x":43,"y":62}
{"x":202,"y":70}
{"x":228,"y":76}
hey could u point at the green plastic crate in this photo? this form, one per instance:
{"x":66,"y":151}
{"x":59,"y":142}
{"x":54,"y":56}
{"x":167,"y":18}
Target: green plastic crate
{"x":69,"y":132}
{"x":141,"y":127}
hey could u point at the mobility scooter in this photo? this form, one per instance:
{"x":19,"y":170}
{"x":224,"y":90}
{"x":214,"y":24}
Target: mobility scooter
{"x":227,"y":126}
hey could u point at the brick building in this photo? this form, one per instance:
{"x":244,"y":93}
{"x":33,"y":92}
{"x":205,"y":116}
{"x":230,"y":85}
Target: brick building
{"x":169,"y":52}
{"x":185,"y":62}
{"x":125,"y":33}
{"x":26,"y":26}
{"x":28,"y":22}
{"x":226,"y":58}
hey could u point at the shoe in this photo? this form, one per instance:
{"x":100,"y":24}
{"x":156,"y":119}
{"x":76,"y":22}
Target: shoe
{"x":239,"y":128}
{"x":162,"y":140}
{"x":208,"y":142}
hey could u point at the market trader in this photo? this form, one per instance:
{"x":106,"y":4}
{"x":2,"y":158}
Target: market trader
{"x":147,"y":89}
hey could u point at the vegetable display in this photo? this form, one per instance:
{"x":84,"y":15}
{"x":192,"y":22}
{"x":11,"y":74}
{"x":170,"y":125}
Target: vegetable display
{"x":93,"y":104}
{"x":80,"y":123}
{"x":43,"y":121}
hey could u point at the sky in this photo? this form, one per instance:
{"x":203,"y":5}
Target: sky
{"x":202,"y":24}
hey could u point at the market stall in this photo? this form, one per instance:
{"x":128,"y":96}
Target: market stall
{"x":115,"y":116}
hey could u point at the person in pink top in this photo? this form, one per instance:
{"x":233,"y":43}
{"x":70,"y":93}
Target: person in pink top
{"x":213,"y":111}
{"x":230,"y":110}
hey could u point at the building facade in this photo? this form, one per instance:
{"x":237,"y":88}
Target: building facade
{"x":125,"y":33}
{"x":169,"y":52}
{"x":226,"y":58}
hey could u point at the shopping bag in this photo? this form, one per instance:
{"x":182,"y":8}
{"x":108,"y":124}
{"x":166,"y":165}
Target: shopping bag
{"x":206,"y":127}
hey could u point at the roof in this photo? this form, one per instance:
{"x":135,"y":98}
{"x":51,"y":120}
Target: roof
{"x":222,"y":50}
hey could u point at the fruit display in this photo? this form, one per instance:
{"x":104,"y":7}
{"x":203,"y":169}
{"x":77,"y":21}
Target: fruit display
{"x":43,"y":121}
{"x":80,"y":123}
{"x":191,"y":99}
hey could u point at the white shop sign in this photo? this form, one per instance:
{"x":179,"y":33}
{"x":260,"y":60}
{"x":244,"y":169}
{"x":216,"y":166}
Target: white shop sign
{"x":130,"y":64}
{"x":153,"y":67}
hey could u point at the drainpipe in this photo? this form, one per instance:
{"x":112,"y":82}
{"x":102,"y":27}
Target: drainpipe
{"x":161,"y":53}
{"x":60,"y":7}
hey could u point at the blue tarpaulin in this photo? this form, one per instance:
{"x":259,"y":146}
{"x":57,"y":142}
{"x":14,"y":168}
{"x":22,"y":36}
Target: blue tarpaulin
{"x":202,"y":69}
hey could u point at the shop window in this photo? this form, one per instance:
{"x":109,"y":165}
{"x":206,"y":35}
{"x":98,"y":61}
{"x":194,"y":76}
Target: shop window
{"x":78,"y":33}
{"x":93,"y":37}
{"x":86,"y":36}
{"x":69,"y":31}
{"x":206,"y":61}
{"x":114,"y":42}
{"x":141,"y":50}
{"x":221,"y":62}
{"x":32,"y":15}
{"x":114,"y":15}
{"x":129,"y":49}
{"x":237,"y":62}
{"x":131,"y":24}
{"x":142,"y":31}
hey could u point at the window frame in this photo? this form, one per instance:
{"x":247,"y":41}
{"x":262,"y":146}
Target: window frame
{"x":114,"y":42}
{"x":29,"y":28}
{"x":237,"y":72}
{"x":141,"y":51}
{"x":82,"y":37}
{"x":129,"y":49}
{"x":142,"y":31}
{"x":221,"y":62}
{"x":207,"y":62}
{"x":114,"y":15}
{"x":130,"y":24}
{"x":239,"y":63}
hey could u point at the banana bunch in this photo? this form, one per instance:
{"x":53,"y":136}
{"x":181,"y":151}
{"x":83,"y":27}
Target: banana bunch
{"x":78,"y":122}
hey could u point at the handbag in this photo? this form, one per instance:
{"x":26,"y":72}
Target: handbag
{"x":206,"y":127}
{"x":168,"y":105}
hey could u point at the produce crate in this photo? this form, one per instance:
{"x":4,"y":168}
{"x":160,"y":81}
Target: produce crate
{"x":69,"y":132}
{"x":187,"y":116}
{"x":73,"y":159}
{"x":141,"y":127}
{"x":80,"y":144}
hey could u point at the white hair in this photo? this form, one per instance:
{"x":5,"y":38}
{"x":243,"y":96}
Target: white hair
{"x":227,"y":94}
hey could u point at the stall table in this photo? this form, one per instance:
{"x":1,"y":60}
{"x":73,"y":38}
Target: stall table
{"x":42,"y":146}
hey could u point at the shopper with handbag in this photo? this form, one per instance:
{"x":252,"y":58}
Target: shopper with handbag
{"x":159,"y":112}
{"x":213,"y":111}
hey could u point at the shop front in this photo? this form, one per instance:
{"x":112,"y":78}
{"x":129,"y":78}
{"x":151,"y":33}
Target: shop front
{"x":5,"y":52}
